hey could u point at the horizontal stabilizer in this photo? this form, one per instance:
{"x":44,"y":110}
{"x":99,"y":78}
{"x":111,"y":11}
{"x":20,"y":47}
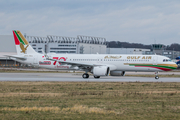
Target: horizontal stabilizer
{"x":16,"y":56}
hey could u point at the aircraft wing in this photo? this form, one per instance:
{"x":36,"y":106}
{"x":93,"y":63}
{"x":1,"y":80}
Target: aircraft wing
{"x":82,"y":65}
{"x":75,"y":63}
{"x":16,"y":56}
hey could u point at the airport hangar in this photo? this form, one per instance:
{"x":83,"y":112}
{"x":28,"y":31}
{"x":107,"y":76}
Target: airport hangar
{"x":69,"y":45}
{"x":52,"y":44}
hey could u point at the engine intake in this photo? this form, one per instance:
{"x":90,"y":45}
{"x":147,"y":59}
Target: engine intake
{"x":101,"y":71}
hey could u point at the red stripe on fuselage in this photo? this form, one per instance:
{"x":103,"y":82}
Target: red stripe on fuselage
{"x":164,"y":69}
{"x":16,"y":39}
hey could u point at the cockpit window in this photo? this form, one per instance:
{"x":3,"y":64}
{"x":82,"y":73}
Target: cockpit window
{"x":166,"y":60}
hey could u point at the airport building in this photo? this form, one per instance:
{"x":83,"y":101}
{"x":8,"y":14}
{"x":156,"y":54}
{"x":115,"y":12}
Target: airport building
{"x":53,"y":44}
{"x":69,"y":45}
{"x":7,"y":47}
{"x":74,"y":45}
{"x":160,"y":49}
{"x":126,"y":51}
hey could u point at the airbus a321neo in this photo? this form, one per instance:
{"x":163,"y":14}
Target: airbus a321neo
{"x":97,"y":64}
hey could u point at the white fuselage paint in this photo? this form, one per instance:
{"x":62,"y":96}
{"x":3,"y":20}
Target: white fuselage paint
{"x":114,"y":61}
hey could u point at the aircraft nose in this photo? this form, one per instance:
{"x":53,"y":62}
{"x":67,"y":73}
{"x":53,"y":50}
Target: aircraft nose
{"x":175,"y":65}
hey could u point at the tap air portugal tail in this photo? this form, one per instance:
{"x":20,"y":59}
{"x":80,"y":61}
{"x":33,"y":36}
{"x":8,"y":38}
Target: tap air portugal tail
{"x":22,"y":45}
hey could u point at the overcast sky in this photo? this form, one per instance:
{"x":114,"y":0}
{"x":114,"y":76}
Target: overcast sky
{"x":135,"y":21}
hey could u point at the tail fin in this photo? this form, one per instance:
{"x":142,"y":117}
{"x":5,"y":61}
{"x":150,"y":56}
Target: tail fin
{"x":22,"y":45}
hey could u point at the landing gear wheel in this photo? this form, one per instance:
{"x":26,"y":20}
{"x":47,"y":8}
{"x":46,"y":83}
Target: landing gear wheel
{"x":85,"y":75}
{"x":96,"y":76}
{"x":156,"y":75}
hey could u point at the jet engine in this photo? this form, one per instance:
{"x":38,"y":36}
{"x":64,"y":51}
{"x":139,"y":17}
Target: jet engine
{"x":101,"y":71}
{"x":117,"y":73}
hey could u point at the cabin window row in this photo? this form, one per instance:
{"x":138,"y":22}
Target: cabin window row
{"x":125,"y":60}
{"x":85,"y":59}
{"x":104,"y":60}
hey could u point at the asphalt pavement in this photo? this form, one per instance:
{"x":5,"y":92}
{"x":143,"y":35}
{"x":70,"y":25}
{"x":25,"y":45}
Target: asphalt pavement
{"x":77,"y":77}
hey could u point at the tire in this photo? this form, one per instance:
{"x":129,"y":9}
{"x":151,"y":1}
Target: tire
{"x":156,"y":77}
{"x":85,"y":75}
{"x":96,"y":77}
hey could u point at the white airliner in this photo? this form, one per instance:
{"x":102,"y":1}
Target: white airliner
{"x":97,"y":64}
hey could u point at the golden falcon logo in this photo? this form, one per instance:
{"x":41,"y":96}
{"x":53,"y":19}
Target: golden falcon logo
{"x":23,"y":48}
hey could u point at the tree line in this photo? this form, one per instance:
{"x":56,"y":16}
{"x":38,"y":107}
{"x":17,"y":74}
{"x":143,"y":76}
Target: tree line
{"x":118,"y":44}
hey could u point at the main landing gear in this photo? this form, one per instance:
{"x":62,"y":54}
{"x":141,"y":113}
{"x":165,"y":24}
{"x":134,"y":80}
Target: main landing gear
{"x":156,"y":75}
{"x":85,"y":75}
{"x":96,"y":77}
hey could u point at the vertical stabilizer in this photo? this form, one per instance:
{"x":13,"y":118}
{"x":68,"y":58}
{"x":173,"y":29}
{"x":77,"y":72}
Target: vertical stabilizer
{"x":22,"y":45}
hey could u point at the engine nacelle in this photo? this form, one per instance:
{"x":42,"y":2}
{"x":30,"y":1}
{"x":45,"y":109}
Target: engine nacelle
{"x":117,"y":73}
{"x":101,"y":71}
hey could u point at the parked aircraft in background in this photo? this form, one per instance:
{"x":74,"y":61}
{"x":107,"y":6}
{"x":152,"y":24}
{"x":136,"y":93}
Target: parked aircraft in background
{"x":97,"y":64}
{"x":178,"y":61}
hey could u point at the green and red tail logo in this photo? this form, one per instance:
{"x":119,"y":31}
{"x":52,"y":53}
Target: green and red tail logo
{"x":20,"y":40}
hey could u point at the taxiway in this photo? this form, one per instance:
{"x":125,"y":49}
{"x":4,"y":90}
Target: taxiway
{"x":74,"y":77}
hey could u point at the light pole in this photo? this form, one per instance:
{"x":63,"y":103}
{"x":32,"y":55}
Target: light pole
{"x":173,"y":54}
{"x":100,"y":50}
{"x":90,"y":49}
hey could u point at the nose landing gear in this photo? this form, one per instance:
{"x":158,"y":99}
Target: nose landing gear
{"x":156,"y":75}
